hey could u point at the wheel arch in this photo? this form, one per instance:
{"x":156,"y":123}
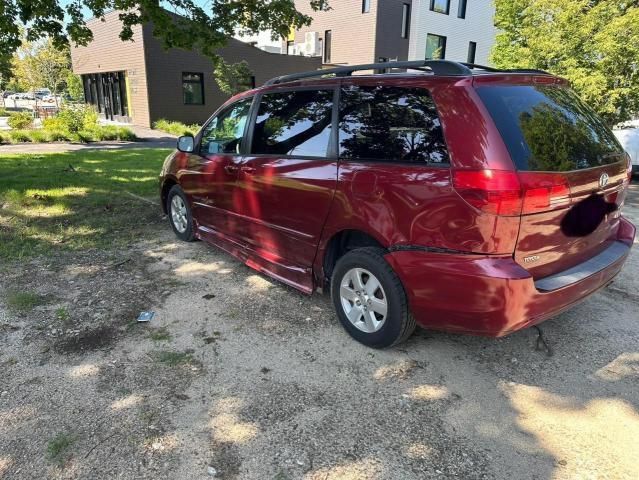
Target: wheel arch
{"x":167,"y":185}
{"x":337,"y":245}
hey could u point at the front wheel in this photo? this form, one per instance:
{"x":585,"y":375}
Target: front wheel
{"x":370,"y":300}
{"x":180,"y":214}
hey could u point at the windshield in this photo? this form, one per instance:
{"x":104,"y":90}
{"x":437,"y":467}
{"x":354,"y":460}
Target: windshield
{"x":548,"y":128}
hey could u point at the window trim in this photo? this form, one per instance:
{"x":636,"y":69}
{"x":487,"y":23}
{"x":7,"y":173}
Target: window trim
{"x":331,"y":149}
{"x":432,"y":7}
{"x":406,"y":12}
{"x":327,"y":46}
{"x":461,"y":9}
{"x":472,"y":47}
{"x":223,"y":109}
{"x":375,"y":161}
{"x":366,"y":6}
{"x":443,"y":56}
{"x":201,"y":83}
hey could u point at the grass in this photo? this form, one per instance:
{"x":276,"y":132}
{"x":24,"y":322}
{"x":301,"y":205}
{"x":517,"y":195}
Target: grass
{"x":76,"y":201}
{"x":176,"y":128}
{"x":58,"y":447}
{"x":62,"y":314}
{"x":173,"y":359}
{"x":160,"y":335}
{"x":20,"y":301}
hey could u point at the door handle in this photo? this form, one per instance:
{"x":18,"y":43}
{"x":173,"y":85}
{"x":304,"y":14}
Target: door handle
{"x":230,"y":169}
{"x":247,"y":169}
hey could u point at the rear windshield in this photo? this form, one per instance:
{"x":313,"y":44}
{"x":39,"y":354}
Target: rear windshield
{"x":548,"y":128}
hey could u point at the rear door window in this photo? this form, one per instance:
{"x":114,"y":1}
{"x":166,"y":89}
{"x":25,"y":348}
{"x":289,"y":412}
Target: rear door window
{"x":294,"y":123}
{"x":548,"y":128}
{"x":390,"y":124}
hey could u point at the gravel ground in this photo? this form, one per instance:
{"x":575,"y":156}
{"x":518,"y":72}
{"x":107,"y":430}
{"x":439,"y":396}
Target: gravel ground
{"x":239,"y":377}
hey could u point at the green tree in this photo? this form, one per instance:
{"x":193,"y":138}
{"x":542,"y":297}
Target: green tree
{"x":74,"y":86}
{"x":41,"y":64}
{"x":204,"y":28}
{"x":592,"y":43}
{"x":233,"y":78}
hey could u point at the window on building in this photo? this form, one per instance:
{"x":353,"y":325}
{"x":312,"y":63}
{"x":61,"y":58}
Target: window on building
{"x":440,"y":6}
{"x":328,"y":34}
{"x":390,"y":124}
{"x":366,"y":6}
{"x":472,"y":50}
{"x":224,"y":133}
{"x":193,"y":88}
{"x":294,"y":123}
{"x":435,"y":47}
{"x":461,"y":9}
{"x":405,"y":20}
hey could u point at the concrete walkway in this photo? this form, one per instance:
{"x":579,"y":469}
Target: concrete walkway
{"x":148,"y":138}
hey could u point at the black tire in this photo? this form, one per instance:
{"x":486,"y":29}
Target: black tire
{"x":399,"y":323}
{"x":188,"y":235}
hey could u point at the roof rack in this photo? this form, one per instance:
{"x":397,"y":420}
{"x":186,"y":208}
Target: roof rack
{"x":437,"y":67}
{"x":502,"y":70}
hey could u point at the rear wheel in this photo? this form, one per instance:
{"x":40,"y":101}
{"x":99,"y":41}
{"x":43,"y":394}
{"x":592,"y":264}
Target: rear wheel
{"x":180,"y":214}
{"x":370,"y":300}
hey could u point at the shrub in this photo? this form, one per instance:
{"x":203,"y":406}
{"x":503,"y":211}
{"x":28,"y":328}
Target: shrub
{"x":20,"y":136}
{"x":176,"y":128}
{"x":20,"y":120}
{"x":74,"y":118}
{"x":54,"y":123}
{"x":39,"y":136}
{"x":58,"y":135}
{"x":4,"y":138}
{"x":126,"y":134}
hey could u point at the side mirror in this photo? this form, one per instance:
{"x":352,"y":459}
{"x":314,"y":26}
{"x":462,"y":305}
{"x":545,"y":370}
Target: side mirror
{"x":186,"y":144}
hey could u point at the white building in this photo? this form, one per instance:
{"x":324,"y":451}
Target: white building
{"x":263,"y":41}
{"x":461,"y":30}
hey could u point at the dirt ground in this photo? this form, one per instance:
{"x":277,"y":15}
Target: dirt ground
{"x":239,"y":377}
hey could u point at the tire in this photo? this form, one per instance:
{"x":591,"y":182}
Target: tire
{"x":370,"y":327}
{"x":181,"y":219}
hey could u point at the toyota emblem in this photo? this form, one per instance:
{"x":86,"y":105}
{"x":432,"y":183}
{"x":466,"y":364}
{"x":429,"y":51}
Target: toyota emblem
{"x":603,"y":180}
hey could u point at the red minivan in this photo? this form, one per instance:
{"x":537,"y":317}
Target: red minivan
{"x":458,"y":197}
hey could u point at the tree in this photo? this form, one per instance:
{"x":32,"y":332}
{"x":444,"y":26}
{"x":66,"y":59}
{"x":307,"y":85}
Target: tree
{"x":74,"y":86}
{"x":196,"y":27}
{"x":592,"y":43}
{"x":233,"y":79}
{"x":43,"y":64}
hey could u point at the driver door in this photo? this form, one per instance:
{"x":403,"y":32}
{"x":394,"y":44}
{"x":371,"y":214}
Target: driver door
{"x":213,"y":170}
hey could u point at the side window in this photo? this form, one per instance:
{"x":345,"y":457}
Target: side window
{"x":224,"y":133}
{"x":294,"y":123}
{"x":390,"y":124}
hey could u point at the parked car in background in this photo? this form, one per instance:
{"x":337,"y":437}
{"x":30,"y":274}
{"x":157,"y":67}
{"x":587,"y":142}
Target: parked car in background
{"x":42,"y":93}
{"x":463,"y":198}
{"x":629,"y":139}
{"x":7,"y":93}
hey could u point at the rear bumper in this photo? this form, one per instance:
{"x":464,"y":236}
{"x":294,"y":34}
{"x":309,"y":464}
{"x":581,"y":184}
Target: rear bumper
{"x":491,"y":296}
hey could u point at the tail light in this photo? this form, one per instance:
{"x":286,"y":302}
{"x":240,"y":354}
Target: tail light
{"x":628,"y":167}
{"x":508,"y":193}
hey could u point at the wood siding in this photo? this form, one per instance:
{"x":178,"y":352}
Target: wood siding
{"x":165,"y":69}
{"x":353,"y":32}
{"x":155,"y":74}
{"x":107,"y":53}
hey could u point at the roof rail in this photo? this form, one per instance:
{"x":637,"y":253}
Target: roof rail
{"x":511,"y":70}
{"x":438,"y":67}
